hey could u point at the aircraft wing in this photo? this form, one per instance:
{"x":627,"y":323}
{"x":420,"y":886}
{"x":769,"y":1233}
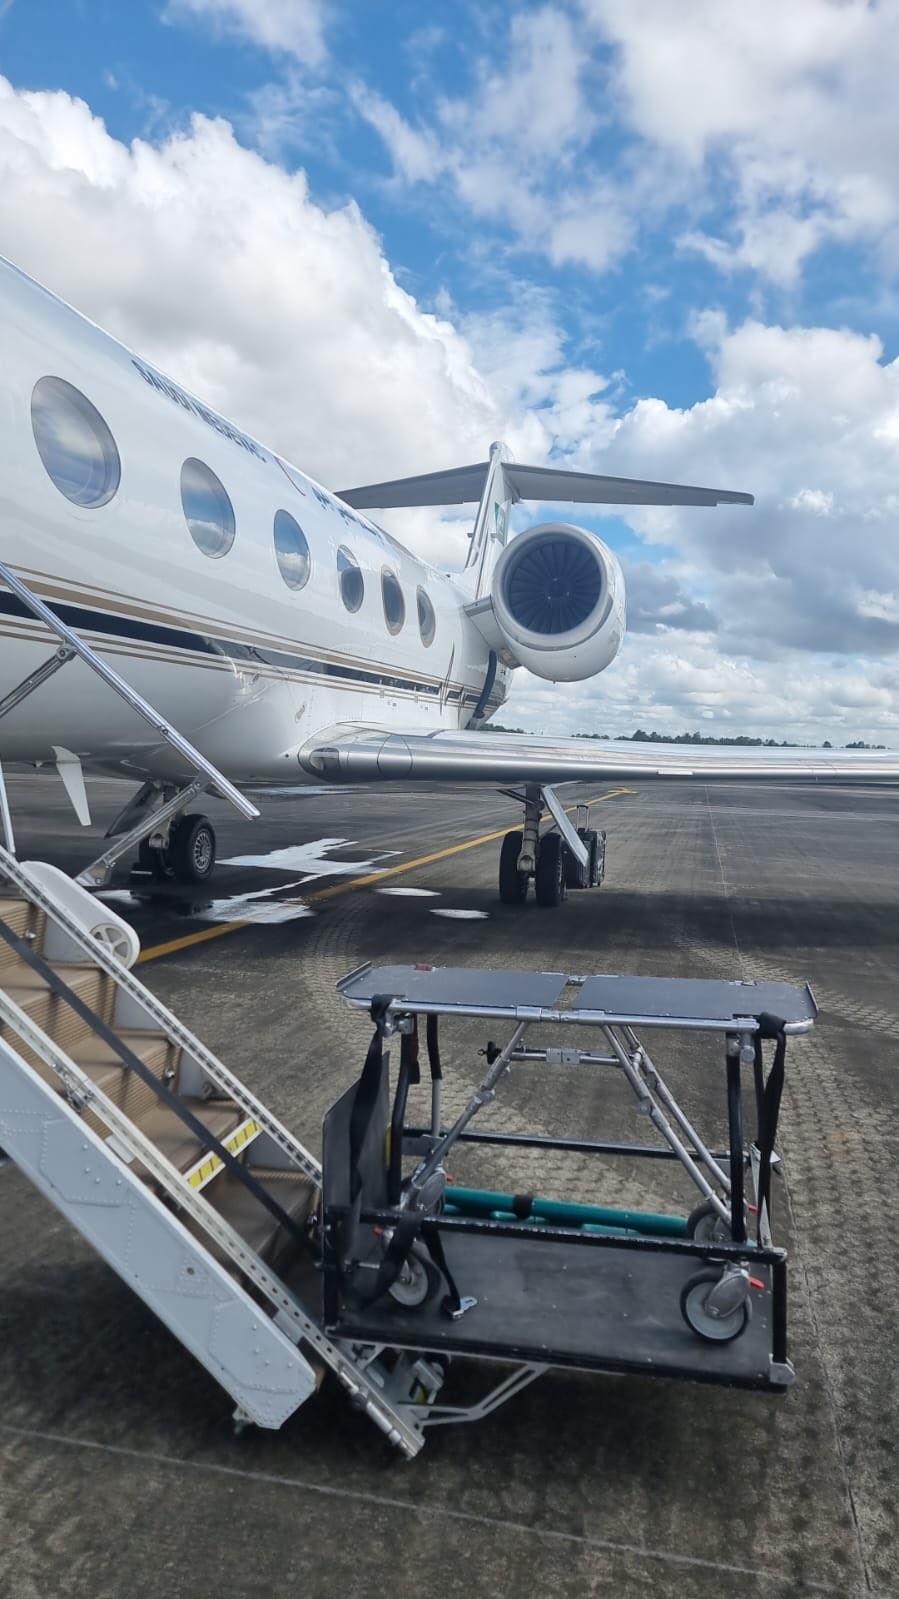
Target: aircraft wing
{"x":507,"y":758}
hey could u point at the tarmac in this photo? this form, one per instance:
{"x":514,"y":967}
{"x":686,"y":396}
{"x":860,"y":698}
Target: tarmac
{"x":120,"y":1473}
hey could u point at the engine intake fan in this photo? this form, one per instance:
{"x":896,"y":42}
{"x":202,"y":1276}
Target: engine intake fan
{"x":552,"y":585}
{"x":558,"y":597}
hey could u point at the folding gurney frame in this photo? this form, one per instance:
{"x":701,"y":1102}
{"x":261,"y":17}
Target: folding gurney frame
{"x":413,"y":1264}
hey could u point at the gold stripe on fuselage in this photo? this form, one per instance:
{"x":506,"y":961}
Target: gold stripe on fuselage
{"x":93,"y":597}
{"x":24,"y":631}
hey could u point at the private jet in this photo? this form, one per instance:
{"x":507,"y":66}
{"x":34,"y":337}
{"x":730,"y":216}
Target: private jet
{"x":253,"y":628}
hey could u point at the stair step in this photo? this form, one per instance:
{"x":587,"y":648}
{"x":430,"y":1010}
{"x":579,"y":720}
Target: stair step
{"x":123,"y":1086}
{"x":294,"y":1192}
{"x":173,"y":1139}
{"x":53,"y":1014}
{"x":21,"y":917}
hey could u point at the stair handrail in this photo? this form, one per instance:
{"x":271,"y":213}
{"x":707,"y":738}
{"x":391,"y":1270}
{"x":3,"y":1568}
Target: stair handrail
{"x":130,"y":1061}
{"x":100,"y":955}
{"x":344,"y":1360}
{"x":130,"y":695}
{"x":291,"y":1316}
{"x":82,"y":1092}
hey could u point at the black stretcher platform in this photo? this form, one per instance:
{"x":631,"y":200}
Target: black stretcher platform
{"x":569,"y":1304}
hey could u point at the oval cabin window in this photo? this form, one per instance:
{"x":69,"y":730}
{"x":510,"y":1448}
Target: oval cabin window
{"x":394,"y":604}
{"x":208,"y":511}
{"x":292,"y":551}
{"x":427,"y":621}
{"x":352,"y":583}
{"x":74,"y":443}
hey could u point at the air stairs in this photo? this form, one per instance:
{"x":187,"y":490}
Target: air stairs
{"x":168,"y":1166}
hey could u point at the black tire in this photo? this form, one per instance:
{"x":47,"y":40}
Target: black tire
{"x":706,"y":1226}
{"x":191,"y":850}
{"x":513,"y":884}
{"x":715,"y":1330}
{"x":549,"y":878}
{"x":417,"y":1282}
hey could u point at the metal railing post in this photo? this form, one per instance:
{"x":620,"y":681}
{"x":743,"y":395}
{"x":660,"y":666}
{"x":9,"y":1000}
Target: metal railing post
{"x":8,"y":835}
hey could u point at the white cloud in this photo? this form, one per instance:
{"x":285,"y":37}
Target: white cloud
{"x":819,"y":502}
{"x":294,"y":27}
{"x":803,"y":417}
{"x":511,"y":148}
{"x":797,"y":104}
{"x":769,"y":131}
{"x":661,"y":683}
{"x":416,"y":154}
{"x":220,"y":267}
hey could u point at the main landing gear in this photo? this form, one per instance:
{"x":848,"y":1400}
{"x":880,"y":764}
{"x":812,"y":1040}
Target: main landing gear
{"x":173,"y":845}
{"x":189,"y":856}
{"x":570,"y":856}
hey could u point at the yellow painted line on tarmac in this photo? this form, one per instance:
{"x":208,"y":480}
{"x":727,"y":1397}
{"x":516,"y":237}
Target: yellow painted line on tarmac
{"x":156,"y":951}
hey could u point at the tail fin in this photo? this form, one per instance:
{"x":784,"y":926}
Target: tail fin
{"x":499,"y":483}
{"x":491,"y":525}
{"x":485,"y":482}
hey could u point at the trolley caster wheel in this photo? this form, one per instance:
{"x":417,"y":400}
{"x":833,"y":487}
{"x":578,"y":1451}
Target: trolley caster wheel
{"x":716,"y":1325}
{"x":706,"y":1226}
{"x":513,"y":884}
{"x":191,"y":851}
{"x":549,"y":879}
{"x":417,"y":1282}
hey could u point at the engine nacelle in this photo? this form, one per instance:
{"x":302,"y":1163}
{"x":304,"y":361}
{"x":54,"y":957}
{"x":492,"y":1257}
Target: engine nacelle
{"x":558,"y":599}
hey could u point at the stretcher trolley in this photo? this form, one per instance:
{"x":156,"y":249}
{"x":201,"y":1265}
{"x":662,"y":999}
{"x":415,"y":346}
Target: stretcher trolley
{"x":416,"y":1264}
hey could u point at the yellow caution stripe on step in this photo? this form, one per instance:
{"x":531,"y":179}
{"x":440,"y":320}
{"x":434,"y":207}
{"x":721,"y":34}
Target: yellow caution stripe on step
{"x":199,"y":1175}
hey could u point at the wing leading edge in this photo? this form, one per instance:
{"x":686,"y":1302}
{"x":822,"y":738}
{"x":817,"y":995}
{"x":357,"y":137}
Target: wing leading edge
{"x":485,"y":757}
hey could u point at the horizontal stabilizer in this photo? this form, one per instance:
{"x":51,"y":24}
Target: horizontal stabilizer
{"x":588,"y":488}
{"x":462,"y":485}
{"x":465,"y":484}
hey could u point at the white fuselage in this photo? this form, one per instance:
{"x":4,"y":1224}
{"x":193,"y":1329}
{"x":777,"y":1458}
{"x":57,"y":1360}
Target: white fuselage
{"x":247,"y":668}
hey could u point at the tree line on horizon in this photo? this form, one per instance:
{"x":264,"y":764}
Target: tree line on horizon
{"x":642,"y":737}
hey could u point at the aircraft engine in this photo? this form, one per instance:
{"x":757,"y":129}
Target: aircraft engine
{"x":558,"y":597}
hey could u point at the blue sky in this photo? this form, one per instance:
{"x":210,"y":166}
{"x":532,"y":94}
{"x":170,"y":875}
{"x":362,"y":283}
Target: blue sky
{"x":628,"y":236}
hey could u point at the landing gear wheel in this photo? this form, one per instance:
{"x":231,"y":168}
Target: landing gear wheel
{"x":513,"y":884}
{"x":191,"y":850}
{"x":549,"y":878}
{"x":706,"y":1226}
{"x":418,"y":1280}
{"x":714,"y":1329}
